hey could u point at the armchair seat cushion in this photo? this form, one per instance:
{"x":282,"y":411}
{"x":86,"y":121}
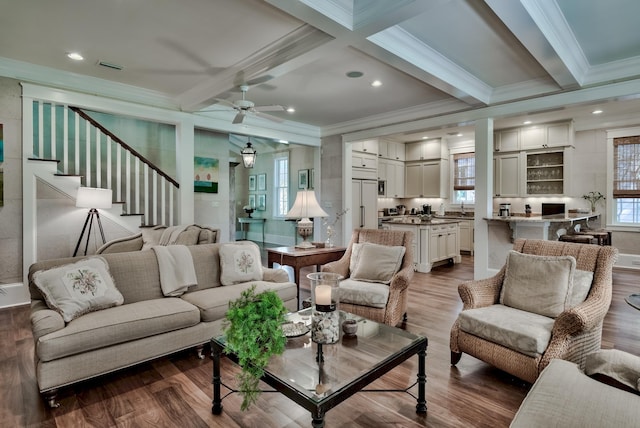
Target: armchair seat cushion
{"x":364,"y":293}
{"x":525,"y":332}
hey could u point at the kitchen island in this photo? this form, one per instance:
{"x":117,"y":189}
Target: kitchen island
{"x":435,"y":241}
{"x":504,"y":230}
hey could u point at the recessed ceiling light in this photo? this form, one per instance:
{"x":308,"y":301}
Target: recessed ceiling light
{"x":596,"y":112}
{"x":527,"y":122}
{"x":425,"y":137}
{"x":376,"y":83}
{"x":283,"y":141}
{"x":354,"y":74}
{"x":459,"y":134}
{"x":75,"y":56}
{"x":291,"y":110}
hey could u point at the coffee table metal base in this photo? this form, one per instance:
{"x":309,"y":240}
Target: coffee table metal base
{"x":318,"y":409}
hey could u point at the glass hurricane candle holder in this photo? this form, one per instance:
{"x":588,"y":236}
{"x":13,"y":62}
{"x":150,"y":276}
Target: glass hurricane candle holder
{"x":325,"y":317}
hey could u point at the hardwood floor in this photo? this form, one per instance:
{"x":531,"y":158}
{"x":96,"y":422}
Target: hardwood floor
{"x":176,"y":390}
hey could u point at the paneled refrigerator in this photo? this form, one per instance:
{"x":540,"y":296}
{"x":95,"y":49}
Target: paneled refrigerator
{"x":364,"y":204}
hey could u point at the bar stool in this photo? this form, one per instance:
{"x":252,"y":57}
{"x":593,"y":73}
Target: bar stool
{"x":602,"y":236}
{"x":580,"y":239}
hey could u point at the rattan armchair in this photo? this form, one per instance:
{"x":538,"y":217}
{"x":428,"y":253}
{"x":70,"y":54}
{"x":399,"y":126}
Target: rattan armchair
{"x":396,"y":308}
{"x":576,"y":332}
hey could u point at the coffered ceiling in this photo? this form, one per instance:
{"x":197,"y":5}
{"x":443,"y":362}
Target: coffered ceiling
{"x":433,"y":58}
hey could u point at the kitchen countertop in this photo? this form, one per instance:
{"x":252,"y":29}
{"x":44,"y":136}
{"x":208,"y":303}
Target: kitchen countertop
{"x":415,"y":220}
{"x":557,"y":218}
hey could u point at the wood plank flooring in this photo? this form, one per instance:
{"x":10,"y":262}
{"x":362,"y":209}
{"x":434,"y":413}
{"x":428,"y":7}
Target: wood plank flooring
{"x":176,"y":390}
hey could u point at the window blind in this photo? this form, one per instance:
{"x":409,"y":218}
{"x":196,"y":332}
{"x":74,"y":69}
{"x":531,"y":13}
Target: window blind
{"x":464,"y":175}
{"x":626,"y":169}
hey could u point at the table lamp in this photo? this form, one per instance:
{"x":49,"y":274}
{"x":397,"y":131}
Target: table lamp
{"x":306,"y":206}
{"x":92,"y":198}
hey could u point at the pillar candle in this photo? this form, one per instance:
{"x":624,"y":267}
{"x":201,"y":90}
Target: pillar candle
{"x":323,"y":295}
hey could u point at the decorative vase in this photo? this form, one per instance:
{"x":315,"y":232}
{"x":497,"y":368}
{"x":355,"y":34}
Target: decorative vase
{"x":329,"y":242}
{"x":350,"y":327}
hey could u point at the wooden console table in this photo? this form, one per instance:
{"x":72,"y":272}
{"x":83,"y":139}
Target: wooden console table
{"x":250,"y":220}
{"x":298,"y":258}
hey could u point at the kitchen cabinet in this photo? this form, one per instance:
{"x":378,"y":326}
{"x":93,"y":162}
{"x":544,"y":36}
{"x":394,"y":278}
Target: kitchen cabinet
{"x":506,"y":175}
{"x":545,"y":173}
{"x":392,"y":173}
{"x":426,"y":150}
{"x":427,"y":179}
{"x":465,"y":231}
{"x":434,"y":243}
{"x":364,"y":165}
{"x":365,"y":146}
{"x":364,"y":203}
{"x":507,"y":140}
{"x":391,"y":150}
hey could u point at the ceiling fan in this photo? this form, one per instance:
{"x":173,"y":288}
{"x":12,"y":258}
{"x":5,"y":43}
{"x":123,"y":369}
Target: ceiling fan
{"x":245,"y":106}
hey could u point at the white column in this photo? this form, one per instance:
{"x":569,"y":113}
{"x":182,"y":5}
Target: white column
{"x":185,"y":143}
{"x":484,"y":196}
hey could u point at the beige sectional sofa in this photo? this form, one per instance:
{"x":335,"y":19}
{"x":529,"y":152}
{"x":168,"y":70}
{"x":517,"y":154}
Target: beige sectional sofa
{"x":146,"y":326}
{"x":192,"y":234}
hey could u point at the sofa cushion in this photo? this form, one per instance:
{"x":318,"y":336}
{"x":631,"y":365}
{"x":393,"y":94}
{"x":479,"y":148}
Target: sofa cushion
{"x":538,"y":284}
{"x":525,"y":332}
{"x":617,"y":365}
{"x":563,"y":396}
{"x":378,"y":263}
{"x":117,"y":325}
{"x":78,"y":288}
{"x":582,"y":280}
{"x":214,"y":302}
{"x":364,"y":293}
{"x":240,"y":262}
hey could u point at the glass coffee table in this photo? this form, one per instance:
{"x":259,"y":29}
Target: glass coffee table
{"x":346,"y":367}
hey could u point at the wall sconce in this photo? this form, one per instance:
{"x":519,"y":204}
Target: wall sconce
{"x":305,"y":206}
{"x":92,"y":198}
{"x":248,"y":155}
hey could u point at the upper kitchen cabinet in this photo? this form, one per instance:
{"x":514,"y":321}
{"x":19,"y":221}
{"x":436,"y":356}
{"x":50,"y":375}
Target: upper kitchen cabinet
{"x":364,"y":165}
{"x":365,"y":146}
{"x":427,"y":179}
{"x":506,"y":175}
{"x":391,"y":173}
{"x":391,"y":150}
{"x":426,"y":150}
{"x":507,"y":140}
{"x":543,"y":136}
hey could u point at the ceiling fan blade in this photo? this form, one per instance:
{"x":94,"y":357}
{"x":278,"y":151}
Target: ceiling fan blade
{"x":268,"y":116}
{"x":269,"y":108}
{"x":239,"y":117}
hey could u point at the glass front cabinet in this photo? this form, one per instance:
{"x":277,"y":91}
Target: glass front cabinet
{"x":546,"y":173}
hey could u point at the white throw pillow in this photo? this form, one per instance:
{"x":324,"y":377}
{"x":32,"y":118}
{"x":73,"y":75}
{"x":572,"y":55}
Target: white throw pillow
{"x":78,"y":288}
{"x":538,"y":284}
{"x":378,"y":263}
{"x":240,"y":263}
{"x":582,"y":280}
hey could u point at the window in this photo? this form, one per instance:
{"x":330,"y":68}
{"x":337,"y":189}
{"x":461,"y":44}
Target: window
{"x":281,"y":183}
{"x":464,"y":178}
{"x":626,"y":179}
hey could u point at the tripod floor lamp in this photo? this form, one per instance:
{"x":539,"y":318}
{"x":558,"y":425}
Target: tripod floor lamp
{"x":92,"y":198}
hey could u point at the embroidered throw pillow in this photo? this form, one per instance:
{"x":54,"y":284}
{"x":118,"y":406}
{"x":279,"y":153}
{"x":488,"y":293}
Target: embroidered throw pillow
{"x":240,"y":262}
{"x":538,"y":284}
{"x":78,"y":288}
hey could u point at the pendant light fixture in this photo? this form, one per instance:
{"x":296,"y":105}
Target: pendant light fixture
{"x":248,"y":155}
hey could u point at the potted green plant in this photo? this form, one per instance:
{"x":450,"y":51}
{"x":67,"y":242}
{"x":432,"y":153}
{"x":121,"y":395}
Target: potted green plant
{"x":254,"y":333}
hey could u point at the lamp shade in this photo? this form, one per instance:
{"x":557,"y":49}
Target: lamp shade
{"x":306,"y":206}
{"x":91,"y":197}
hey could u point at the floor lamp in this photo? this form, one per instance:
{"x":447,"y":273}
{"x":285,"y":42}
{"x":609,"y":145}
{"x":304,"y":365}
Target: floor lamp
{"x":92,"y":198}
{"x":306,"y":206}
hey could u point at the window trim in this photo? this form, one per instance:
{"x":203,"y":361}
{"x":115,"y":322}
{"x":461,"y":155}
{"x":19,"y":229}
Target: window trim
{"x":276,"y":169}
{"x":611,"y":203}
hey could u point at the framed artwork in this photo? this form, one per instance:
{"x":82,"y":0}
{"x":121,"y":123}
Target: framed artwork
{"x":252,"y":200}
{"x":252,"y":183}
{"x":262,"y":202}
{"x":262,"y":182}
{"x":206,"y":173}
{"x":303,"y":179}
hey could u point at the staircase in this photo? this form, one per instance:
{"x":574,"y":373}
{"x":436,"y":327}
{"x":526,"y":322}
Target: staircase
{"x":71,"y":149}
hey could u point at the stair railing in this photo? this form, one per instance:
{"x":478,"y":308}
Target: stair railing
{"x":86,"y":148}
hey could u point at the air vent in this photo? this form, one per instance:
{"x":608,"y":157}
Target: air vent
{"x":110,"y":65}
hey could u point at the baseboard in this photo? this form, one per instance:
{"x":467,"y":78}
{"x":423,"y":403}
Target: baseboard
{"x":628,"y":261}
{"x":14,"y":295}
